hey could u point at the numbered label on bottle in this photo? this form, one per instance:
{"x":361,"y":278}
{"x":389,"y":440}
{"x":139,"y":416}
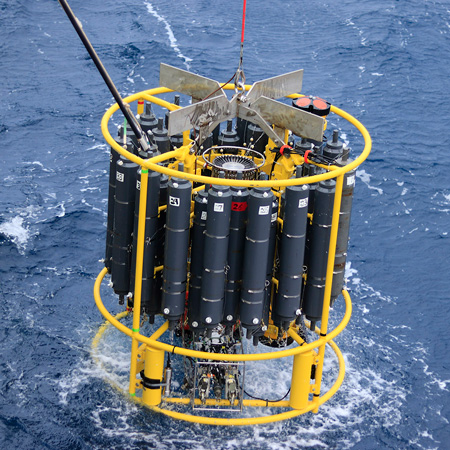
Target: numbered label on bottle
{"x":303,"y":202}
{"x":174,"y":201}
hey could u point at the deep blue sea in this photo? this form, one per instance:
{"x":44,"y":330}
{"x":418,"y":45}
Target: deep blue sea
{"x":386,"y":62}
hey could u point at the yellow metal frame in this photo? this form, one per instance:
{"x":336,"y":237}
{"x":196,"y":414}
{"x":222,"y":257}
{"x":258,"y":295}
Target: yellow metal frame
{"x":304,"y":354}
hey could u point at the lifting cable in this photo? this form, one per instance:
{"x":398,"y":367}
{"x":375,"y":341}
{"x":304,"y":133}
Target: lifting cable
{"x":239,"y":80}
{"x":239,"y":77}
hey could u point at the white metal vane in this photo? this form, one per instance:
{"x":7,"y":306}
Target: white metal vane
{"x":258,"y":105}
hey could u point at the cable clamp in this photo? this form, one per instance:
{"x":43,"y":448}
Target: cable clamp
{"x":285,"y":148}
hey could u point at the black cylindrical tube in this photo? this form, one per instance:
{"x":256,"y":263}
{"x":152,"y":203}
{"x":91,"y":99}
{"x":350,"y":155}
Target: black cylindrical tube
{"x":159,"y":239}
{"x":310,"y":170}
{"x":147,"y":119}
{"x":256,"y":252}
{"x":113,"y":158}
{"x":235,"y":254}
{"x":334,"y":148}
{"x":215,"y":255}
{"x":123,"y":224}
{"x":196,"y":269}
{"x":161,"y":136}
{"x":270,"y":266}
{"x":149,"y":305}
{"x":132,"y":137}
{"x":343,"y":233}
{"x":291,"y":254}
{"x":302,"y":146}
{"x":176,"y":248}
{"x":229,"y":136}
{"x":176,"y":140}
{"x":318,"y":252}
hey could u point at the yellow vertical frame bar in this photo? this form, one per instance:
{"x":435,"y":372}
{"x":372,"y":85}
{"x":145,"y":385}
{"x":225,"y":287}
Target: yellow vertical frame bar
{"x":153,"y":369}
{"x":138,"y":279}
{"x":328,"y":283}
{"x":301,"y":379}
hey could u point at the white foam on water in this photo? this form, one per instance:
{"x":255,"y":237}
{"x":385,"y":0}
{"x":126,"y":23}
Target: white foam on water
{"x":37,"y":164}
{"x":388,"y":393}
{"x":16,"y":232}
{"x":349,"y":271}
{"x":173,"y":41}
{"x":94,"y":208}
{"x":17,"y":228}
{"x":59,"y":208}
{"x":96,"y":146}
{"x":79,"y":377}
{"x":365,"y":178}
{"x":359,"y":30}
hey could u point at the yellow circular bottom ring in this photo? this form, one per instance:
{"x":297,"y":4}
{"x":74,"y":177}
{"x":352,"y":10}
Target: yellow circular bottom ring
{"x":222,"y":421}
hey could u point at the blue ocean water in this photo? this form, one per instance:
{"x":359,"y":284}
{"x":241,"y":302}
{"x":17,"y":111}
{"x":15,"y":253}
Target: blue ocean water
{"x":385,"y":62}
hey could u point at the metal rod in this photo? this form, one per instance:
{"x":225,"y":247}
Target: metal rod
{"x":92,"y":53}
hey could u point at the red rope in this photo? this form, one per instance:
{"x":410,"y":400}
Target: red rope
{"x":243,"y":22}
{"x":305,"y":156}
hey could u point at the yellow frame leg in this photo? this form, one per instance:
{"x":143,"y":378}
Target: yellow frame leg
{"x":301,"y":379}
{"x":154,"y":368}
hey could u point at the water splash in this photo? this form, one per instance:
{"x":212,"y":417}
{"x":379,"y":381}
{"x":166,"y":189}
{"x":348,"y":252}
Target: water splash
{"x":14,"y":230}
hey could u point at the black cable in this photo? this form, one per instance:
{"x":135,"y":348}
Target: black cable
{"x":219,"y":88}
{"x":265,"y":399}
{"x":321,"y":159}
{"x":277,"y":157}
